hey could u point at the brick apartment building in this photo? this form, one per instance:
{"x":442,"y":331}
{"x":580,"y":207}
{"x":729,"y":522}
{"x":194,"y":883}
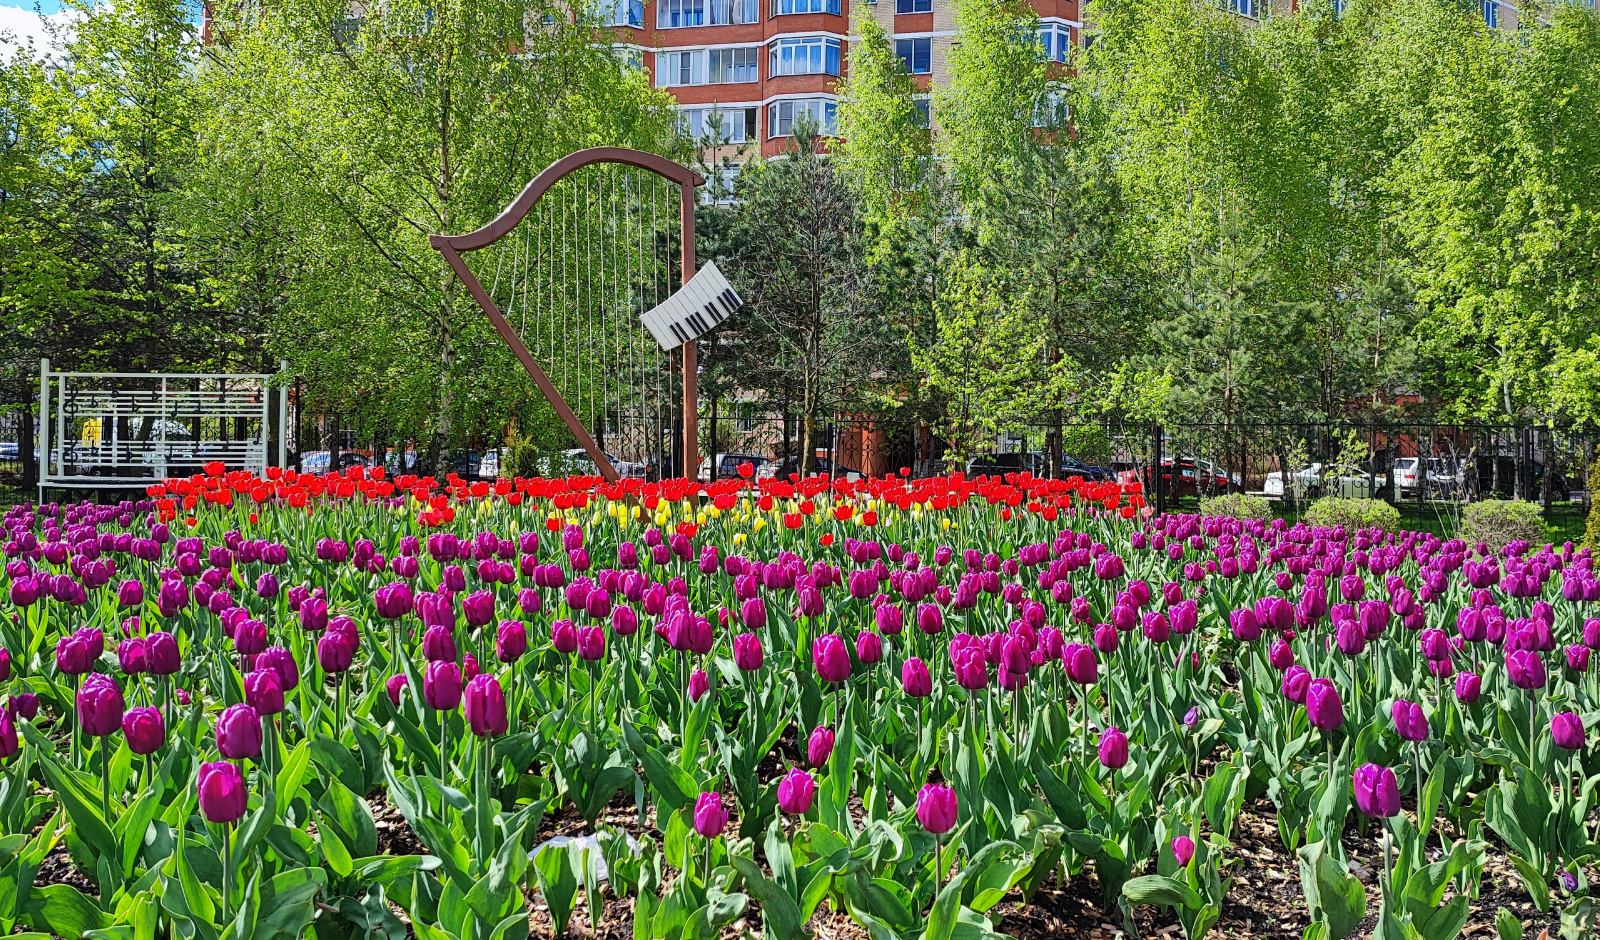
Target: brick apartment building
{"x":762,"y":63}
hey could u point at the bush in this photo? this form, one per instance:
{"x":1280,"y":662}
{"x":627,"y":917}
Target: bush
{"x":1236,"y":506}
{"x":1499,"y":522}
{"x":1353,"y":514}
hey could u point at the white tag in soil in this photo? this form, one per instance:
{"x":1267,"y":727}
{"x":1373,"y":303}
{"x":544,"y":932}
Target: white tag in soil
{"x":597,"y":860}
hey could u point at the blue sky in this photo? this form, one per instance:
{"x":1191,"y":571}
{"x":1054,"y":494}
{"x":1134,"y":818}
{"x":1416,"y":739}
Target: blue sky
{"x":47,"y":6}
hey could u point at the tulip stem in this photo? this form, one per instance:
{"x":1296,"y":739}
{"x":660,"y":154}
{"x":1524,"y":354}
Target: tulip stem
{"x":105,"y":779}
{"x":938,"y":865}
{"x":227,"y":871}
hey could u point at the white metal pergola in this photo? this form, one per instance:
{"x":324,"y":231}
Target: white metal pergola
{"x":127,"y":429}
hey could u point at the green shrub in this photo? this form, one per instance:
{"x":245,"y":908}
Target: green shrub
{"x":1353,"y":514}
{"x":1236,"y":506}
{"x":1499,"y":522}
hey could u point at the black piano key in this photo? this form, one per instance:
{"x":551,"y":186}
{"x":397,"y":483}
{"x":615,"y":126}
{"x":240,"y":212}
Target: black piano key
{"x":679,"y":333}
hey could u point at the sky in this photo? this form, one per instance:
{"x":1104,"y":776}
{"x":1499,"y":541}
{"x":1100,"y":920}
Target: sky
{"x":21,"y":20}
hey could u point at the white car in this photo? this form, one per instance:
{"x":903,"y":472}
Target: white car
{"x":1316,"y":480}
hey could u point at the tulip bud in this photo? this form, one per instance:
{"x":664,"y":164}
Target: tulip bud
{"x":396,"y":683}
{"x":1324,"y":708}
{"x":223,"y":797}
{"x":1409,"y":721}
{"x":699,"y":685}
{"x":795,"y":792}
{"x":591,"y":643}
{"x":486,"y":706}
{"x":1377,"y":792}
{"x":144,"y":730}
{"x":161,"y":654}
{"x":915,"y":678}
{"x":100,"y":706}
{"x":1113,"y":749}
{"x":1566,"y":730}
{"x":282,"y":662}
{"x":709,"y":816}
{"x":8,"y":734}
{"x":131,"y":593}
{"x":820,"y":746}
{"x":747,"y":652}
{"x":869,"y":648}
{"x":441,"y":685}
{"x":1525,"y":670}
{"x":1182,"y":850}
{"x":263,"y":691}
{"x":831,"y":659}
{"x":936,"y":808}
{"x":239,"y":732}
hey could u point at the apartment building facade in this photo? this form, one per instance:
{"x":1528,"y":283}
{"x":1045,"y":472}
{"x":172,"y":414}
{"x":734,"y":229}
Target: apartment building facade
{"x":761,"y":64}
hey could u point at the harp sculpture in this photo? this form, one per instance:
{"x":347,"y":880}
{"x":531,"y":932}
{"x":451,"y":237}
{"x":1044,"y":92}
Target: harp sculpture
{"x":577,"y":275}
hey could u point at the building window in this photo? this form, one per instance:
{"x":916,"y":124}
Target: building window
{"x":674,"y":13}
{"x":924,"y":111}
{"x":804,"y":57}
{"x":621,"y":12}
{"x":913,"y":6}
{"x":733,"y":12}
{"x":707,"y":66}
{"x":1491,"y":13}
{"x":680,"y":68}
{"x":738,"y":124}
{"x":781,"y":115}
{"x":749,"y":419}
{"x":1055,"y":40}
{"x":734,"y":64}
{"x":917,"y":54}
{"x":1242,"y":7}
{"x":781,"y":7}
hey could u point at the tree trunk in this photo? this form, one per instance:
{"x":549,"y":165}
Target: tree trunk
{"x":335,"y":442}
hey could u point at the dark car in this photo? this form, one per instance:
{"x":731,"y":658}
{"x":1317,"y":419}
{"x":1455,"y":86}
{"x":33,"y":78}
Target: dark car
{"x":1073,"y":467}
{"x":1508,"y":486}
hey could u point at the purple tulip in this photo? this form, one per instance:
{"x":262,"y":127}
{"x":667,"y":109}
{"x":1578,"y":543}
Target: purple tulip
{"x":1566,"y":729}
{"x":795,"y":792}
{"x":820,"y":746}
{"x":747,"y":652}
{"x":144,"y":730}
{"x":486,"y":706}
{"x":1526,"y":670}
{"x":1183,"y":850}
{"x":223,"y":796}
{"x":1113,"y":749}
{"x":282,"y":662}
{"x":133,"y":656}
{"x":915,"y":678}
{"x":239,"y":732}
{"x":1578,"y":658}
{"x":1246,"y":627}
{"x":1409,"y":721}
{"x":393,"y":600}
{"x":314,"y":614}
{"x":396,"y":683}
{"x":1469,"y":685}
{"x":1377,"y":792}
{"x":869,"y":648}
{"x":831,"y":658}
{"x":709,"y":816}
{"x":936,"y":808}
{"x":131,"y":593}
{"x":72,"y":655}
{"x":591,"y":643}
{"x":441,"y":686}
{"x":1324,"y":708}
{"x":511,"y":641}
{"x":1081,"y":666}
{"x":100,"y":706}
{"x":263,"y":691}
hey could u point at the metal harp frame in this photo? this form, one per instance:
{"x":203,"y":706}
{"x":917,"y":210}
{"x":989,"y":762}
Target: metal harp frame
{"x":451,"y":246}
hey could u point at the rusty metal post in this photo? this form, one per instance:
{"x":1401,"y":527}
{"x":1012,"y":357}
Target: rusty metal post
{"x":691,"y":349}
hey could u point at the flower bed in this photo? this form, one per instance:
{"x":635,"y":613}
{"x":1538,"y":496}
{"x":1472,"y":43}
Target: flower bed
{"x":350,"y":705}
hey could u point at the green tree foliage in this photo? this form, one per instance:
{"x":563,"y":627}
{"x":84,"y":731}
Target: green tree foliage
{"x":362,"y":131}
{"x":813,"y":332}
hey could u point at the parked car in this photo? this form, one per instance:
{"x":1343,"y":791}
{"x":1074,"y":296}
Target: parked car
{"x":1441,"y":476}
{"x":1073,"y":467}
{"x":1318,"y":480}
{"x":576,"y":462}
{"x":1559,"y":487}
{"x":1001,"y":464}
{"x":728,"y":466}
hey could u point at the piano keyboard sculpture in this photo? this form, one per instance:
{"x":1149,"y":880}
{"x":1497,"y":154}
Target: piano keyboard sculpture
{"x":577,"y":276}
{"x":703,"y":303}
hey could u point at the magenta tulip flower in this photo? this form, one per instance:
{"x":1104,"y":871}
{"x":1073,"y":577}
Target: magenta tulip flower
{"x":820,"y":746}
{"x":831,"y":658}
{"x":486,"y":706}
{"x":1566,"y":729}
{"x":915,"y":678}
{"x":100,"y":706}
{"x":936,"y":808}
{"x":795,"y":792}
{"x":239,"y":732}
{"x":1324,"y":708}
{"x":223,"y":797}
{"x":1113,"y":749}
{"x":709,"y":816}
{"x":144,"y":730}
{"x":441,"y":686}
{"x":1183,"y":850}
{"x":747,"y":653}
{"x":1377,"y":792}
